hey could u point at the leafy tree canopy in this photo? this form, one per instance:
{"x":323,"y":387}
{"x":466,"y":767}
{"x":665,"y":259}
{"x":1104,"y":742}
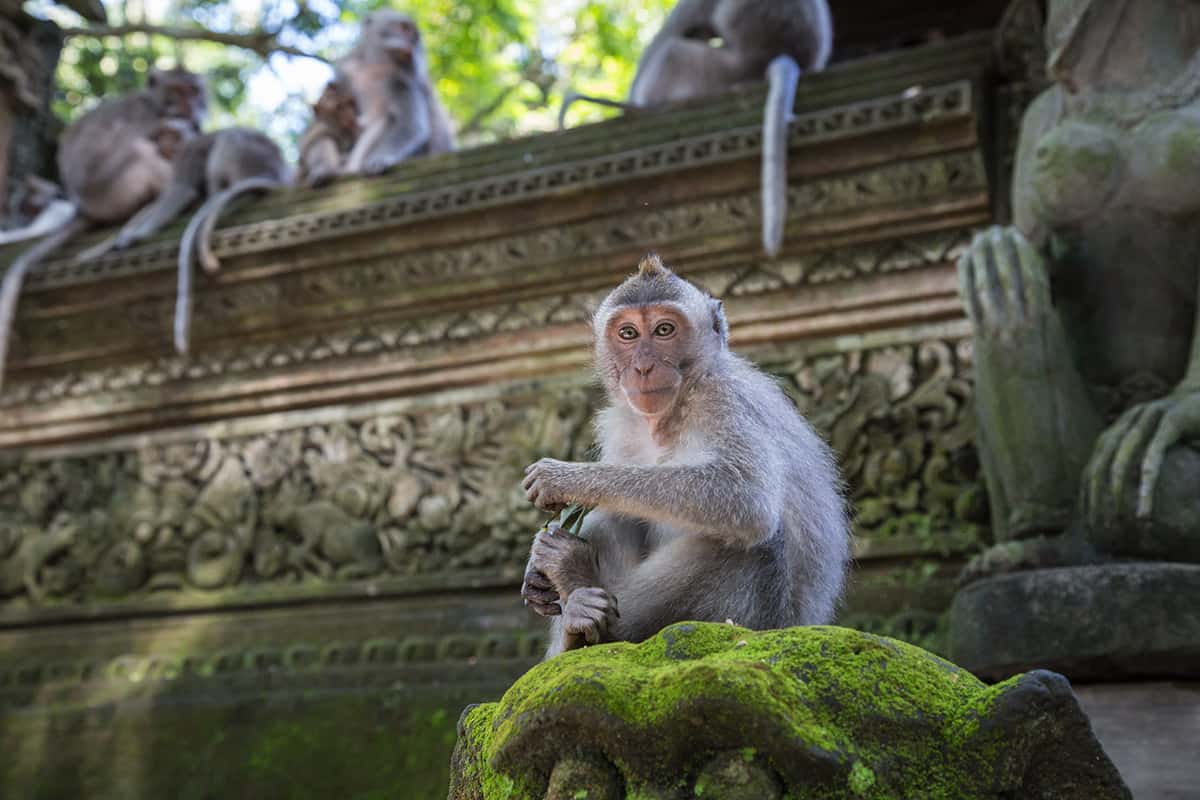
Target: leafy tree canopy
{"x":501,"y":66}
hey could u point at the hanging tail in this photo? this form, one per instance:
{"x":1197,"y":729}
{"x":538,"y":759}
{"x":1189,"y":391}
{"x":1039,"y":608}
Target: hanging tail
{"x":782,"y":75}
{"x":10,"y":288}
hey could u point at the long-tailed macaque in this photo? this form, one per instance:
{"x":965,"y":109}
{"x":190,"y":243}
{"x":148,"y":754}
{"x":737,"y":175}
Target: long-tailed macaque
{"x":399,"y":111}
{"x":713,"y":498}
{"x":330,"y":136}
{"x":219,"y":167}
{"x":708,"y":46}
{"x":110,"y":166}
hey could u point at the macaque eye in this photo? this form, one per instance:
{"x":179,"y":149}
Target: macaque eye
{"x":627,"y":333}
{"x":664,"y":329}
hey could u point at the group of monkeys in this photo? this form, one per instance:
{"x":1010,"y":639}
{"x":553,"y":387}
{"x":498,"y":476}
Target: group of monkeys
{"x":141,"y":160}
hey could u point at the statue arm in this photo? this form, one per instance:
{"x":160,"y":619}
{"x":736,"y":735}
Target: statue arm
{"x":1042,"y":115}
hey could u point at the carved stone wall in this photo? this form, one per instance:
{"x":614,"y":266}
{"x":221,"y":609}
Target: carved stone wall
{"x":324,"y":498}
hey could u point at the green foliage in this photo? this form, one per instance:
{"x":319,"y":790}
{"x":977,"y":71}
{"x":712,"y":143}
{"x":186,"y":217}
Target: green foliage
{"x":501,"y":66}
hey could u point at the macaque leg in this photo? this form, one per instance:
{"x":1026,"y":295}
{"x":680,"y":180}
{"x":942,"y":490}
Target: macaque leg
{"x":684,"y":69}
{"x":370,"y":136}
{"x":169,"y":205}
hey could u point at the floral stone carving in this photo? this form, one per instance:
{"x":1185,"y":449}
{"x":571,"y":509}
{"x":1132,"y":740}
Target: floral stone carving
{"x":714,"y":710}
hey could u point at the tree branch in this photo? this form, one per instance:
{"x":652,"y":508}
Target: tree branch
{"x":260,"y":42}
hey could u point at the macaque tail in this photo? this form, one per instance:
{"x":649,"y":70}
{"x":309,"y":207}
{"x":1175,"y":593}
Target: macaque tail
{"x":59,"y":212}
{"x":183,"y":288}
{"x":260,"y":184}
{"x":10,"y":288}
{"x":571,"y":97}
{"x":782,"y":76}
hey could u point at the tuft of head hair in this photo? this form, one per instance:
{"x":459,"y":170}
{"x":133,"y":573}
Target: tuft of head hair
{"x":651,"y":265}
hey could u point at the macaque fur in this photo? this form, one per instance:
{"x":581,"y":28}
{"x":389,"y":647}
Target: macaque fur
{"x":713,"y":498}
{"x":708,"y":46}
{"x":110,"y":166}
{"x":330,"y":136}
{"x":400,"y":115}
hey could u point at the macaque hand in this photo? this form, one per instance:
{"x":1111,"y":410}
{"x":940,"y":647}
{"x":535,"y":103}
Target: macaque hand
{"x":549,"y":484}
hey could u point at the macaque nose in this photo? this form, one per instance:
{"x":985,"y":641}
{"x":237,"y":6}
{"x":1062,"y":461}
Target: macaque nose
{"x":644,"y":369}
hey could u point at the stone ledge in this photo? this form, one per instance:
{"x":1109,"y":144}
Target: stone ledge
{"x":1126,"y":620}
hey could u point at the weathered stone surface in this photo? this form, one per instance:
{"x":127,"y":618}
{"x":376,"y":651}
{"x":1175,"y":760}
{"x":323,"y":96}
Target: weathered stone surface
{"x":706,"y":709}
{"x":1105,"y":621}
{"x":1142,"y":727}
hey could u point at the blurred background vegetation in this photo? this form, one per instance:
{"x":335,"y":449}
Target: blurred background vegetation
{"x":501,"y":66}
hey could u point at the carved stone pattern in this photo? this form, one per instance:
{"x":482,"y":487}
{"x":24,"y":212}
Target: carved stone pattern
{"x":893,"y":185}
{"x":855,"y":119}
{"x":292,"y":658}
{"x":436,"y":493}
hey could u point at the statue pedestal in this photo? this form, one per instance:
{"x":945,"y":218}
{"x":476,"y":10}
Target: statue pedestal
{"x":1128,"y":637}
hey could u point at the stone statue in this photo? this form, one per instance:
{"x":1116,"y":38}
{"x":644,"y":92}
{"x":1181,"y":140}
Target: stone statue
{"x":714,"y":710}
{"x":1085,"y":311}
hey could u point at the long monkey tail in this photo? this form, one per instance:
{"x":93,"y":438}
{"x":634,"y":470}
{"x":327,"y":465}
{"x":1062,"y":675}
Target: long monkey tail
{"x":782,"y":76}
{"x":218,"y":203}
{"x":183,"y":288}
{"x":571,"y":97}
{"x":10,"y":288}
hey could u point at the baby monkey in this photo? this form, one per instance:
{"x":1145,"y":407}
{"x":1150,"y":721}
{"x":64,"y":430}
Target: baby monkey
{"x":400,"y":113}
{"x":713,"y":498}
{"x":329,"y":138}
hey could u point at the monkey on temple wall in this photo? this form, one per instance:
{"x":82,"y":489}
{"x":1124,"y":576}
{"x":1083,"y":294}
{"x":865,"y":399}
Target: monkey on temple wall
{"x":708,"y":46}
{"x":111,"y":165}
{"x":714,"y":499}
{"x":400,"y":115}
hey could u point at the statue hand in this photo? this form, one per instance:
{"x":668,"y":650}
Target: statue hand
{"x":1142,"y":435}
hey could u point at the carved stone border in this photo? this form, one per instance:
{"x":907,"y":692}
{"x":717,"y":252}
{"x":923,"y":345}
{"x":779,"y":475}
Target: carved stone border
{"x":939,"y":178}
{"x":293,"y":659}
{"x":935,"y":103}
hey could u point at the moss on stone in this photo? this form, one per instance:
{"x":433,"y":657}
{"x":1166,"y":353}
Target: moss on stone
{"x":834,"y":712}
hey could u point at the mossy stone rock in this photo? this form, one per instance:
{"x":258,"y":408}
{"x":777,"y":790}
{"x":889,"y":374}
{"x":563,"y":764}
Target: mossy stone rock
{"x":710,"y":710}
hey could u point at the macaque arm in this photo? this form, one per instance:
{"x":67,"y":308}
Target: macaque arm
{"x":169,"y":205}
{"x":720,"y":500}
{"x":320,"y":161}
{"x":403,"y":137}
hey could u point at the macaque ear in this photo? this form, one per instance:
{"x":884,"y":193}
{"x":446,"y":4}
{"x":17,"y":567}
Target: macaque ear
{"x":719,"y":325}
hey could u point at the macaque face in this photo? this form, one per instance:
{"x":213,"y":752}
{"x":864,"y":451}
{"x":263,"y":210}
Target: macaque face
{"x":652,"y":348}
{"x":181,"y":95}
{"x":400,"y":38}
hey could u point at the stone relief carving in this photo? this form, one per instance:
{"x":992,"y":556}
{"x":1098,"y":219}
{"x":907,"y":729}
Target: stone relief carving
{"x":437,"y":493}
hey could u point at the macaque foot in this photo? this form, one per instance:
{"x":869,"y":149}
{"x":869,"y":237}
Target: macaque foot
{"x":377,"y":165}
{"x":539,"y":593}
{"x":566,"y":560}
{"x":588,"y":616}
